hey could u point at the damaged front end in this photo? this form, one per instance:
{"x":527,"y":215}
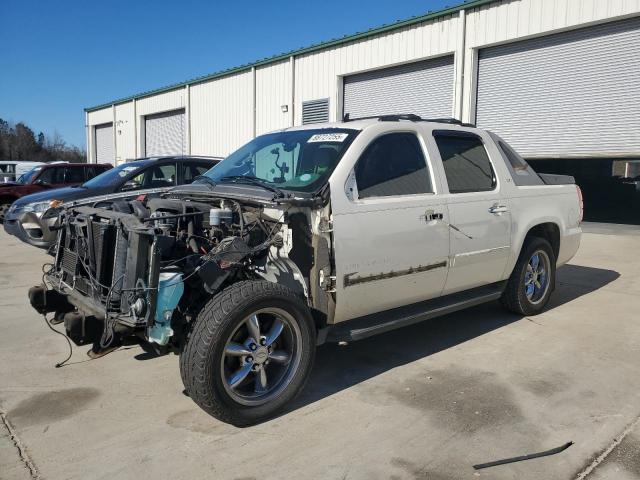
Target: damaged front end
{"x":145,"y":268}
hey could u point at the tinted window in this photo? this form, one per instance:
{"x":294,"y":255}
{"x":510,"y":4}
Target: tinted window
{"x":52,"y":175}
{"x":191,"y":171}
{"x":160,"y":176}
{"x":392,"y":165}
{"x":74,"y":175}
{"x":466,"y":163}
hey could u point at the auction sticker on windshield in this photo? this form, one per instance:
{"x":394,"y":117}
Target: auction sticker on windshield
{"x":328,"y":137}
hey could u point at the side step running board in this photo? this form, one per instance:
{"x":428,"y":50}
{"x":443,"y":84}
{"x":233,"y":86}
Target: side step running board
{"x":381,"y":322}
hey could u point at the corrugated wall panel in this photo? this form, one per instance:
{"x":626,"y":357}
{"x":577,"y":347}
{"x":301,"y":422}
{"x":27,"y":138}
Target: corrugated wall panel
{"x":162,"y":102}
{"x":125,"y":133}
{"x":570,"y":94}
{"x":273,"y":89}
{"x":316,"y":74}
{"x":510,"y":19}
{"x":221,"y":114}
{"x":100,"y":116}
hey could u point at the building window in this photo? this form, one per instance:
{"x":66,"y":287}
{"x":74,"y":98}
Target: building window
{"x":392,"y":165}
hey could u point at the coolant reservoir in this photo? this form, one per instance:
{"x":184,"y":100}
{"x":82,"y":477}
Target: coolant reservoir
{"x":170,"y":290}
{"x":218,"y":216}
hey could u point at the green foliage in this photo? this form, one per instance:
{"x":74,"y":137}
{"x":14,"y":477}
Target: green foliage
{"x":18,"y":142}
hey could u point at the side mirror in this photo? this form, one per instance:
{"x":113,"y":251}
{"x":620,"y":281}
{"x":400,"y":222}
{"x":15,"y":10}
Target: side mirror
{"x":42,"y":183}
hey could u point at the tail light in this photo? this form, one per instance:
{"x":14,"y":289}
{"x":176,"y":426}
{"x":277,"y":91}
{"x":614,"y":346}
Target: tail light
{"x":581,"y":203}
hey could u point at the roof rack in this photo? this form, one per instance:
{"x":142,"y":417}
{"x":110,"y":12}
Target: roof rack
{"x":411,"y":117}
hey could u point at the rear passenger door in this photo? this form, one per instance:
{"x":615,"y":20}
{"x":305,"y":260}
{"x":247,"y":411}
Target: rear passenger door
{"x":479,"y":214}
{"x":391,"y":250}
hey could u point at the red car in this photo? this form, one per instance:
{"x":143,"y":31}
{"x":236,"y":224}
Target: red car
{"x":45,"y":177}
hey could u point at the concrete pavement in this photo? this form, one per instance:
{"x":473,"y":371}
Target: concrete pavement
{"x":427,"y":401}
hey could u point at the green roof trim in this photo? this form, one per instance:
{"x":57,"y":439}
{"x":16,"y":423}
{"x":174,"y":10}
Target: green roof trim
{"x":311,"y":48}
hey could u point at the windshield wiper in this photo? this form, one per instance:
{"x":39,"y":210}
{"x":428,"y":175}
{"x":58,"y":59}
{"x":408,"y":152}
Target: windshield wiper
{"x":254,"y":181}
{"x":206,"y":179}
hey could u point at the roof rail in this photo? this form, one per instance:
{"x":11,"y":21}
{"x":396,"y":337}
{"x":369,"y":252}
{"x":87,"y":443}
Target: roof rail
{"x":410,"y":117}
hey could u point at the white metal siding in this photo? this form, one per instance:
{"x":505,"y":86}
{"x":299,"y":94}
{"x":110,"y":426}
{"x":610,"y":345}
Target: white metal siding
{"x":104,"y":143}
{"x":273,"y":90}
{"x":125,"y":132}
{"x":221,"y":114}
{"x":424,"y":88}
{"x":164,"y":134}
{"x":569,"y":94}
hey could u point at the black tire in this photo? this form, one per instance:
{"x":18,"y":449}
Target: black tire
{"x":515,"y":297}
{"x":4,"y":208}
{"x":202,"y":361}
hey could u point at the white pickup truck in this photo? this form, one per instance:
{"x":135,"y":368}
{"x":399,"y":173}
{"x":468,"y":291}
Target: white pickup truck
{"x":330,"y":232}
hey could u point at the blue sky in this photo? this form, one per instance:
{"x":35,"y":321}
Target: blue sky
{"x":59,"y":57}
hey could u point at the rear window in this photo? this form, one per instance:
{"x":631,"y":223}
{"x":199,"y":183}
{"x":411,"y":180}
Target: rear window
{"x":466,"y":162}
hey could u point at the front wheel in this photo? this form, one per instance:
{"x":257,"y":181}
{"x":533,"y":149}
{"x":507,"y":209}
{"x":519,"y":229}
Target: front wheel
{"x":4,"y":208}
{"x":532,"y":280}
{"x":250,"y":352}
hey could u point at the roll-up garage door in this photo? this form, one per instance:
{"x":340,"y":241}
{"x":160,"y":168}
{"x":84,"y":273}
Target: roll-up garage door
{"x":424,"y":88}
{"x":164,"y":134}
{"x":104,"y":143}
{"x":572,"y":94}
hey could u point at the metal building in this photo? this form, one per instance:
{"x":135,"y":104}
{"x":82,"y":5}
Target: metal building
{"x":559,"y":79}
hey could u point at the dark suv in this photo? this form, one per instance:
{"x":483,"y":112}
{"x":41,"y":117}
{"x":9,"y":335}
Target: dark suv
{"x":26,"y":217}
{"x":46,"y":177}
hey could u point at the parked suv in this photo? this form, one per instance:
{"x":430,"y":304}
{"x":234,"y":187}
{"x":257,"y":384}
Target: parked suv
{"x":321,"y":233}
{"x":46,"y":177}
{"x":148,"y":175}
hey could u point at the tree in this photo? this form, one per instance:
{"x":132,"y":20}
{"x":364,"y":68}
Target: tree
{"x":18,"y":142}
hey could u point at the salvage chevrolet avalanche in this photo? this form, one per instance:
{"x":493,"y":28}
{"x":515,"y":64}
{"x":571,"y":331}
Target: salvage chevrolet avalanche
{"x":314,"y":234}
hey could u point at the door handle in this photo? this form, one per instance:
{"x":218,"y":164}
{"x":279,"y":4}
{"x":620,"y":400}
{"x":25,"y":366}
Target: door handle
{"x":498,"y":209}
{"x":430,"y":215}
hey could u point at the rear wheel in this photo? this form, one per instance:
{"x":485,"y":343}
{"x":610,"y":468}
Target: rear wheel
{"x":533,"y":278}
{"x":250,"y":352}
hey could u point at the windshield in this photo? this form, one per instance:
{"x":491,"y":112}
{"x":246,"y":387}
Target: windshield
{"x":114,"y":176}
{"x":298,"y":160}
{"x":28,"y":177}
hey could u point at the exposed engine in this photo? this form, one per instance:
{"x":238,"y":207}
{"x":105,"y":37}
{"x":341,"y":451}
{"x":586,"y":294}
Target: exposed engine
{"x":146,"y":267}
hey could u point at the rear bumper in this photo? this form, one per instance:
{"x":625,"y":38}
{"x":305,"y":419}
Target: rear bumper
{"x":31,"y":228}
{"x":569,"y":244}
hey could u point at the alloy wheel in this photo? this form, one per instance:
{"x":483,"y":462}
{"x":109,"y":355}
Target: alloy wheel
{"x":261,"y":356}
{"x":536,"y":277}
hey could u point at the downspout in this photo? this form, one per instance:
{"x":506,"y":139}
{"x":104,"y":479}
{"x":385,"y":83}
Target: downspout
{"x":292,"y":100}
{"x":253,"y":102}
{"x":461,"y":65}
{"x":87,"y":132}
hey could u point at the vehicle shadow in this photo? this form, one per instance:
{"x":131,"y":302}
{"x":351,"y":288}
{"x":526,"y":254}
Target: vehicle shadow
{"x":337,"y":367}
